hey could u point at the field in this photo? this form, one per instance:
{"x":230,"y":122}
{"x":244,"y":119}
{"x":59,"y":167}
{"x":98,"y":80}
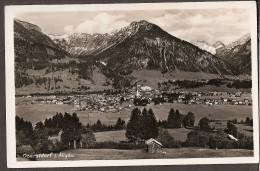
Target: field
{"x":179,"y":134}
{"x":247,"y":130}
{"x":113,"y":154}
{"x":115,"y":136}
{"x":152,"y":77}
{"x":222,"y":88}
{"x":37,"y":111}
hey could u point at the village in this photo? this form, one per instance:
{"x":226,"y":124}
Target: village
{"x":143,"y":95}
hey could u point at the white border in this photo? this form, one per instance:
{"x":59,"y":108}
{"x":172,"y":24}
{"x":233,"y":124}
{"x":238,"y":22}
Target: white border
{"x":10,"y":11}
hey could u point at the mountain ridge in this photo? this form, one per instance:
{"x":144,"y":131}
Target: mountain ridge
{"x":139,"y":46}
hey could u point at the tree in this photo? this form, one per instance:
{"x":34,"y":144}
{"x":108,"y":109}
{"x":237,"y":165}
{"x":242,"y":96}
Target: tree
{"x":249,"y":121}
{"x":217,"y":139}
{"x":144,"y":124}
{"x":24,"y":131}
{"x":87,"y":138}
{"x":165,"y":138}
{"x":232,"y":129}
{"x":198,"y":138}
{"x":204,"y":125}
{"x":189,"y":120}
{"x":152,"y":126}
{"x":71,"y":129}
{"x":25,"y":149}
{"x":41,"y":135}
{"x":39,"y":125}
{"x":174,"y":119}
{"x":98,"y":125}
{"x":133,"y":127}
{"x":119,"y":124}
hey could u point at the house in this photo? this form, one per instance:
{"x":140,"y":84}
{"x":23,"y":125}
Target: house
{"x":153,"y":146}
{"x":146,"y":88}
{"x":238,"y":94}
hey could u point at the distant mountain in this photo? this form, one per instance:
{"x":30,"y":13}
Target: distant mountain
{"x":118,"y":58}
{"x":32,"y":47}
{"x":238,"y":54}
{"x":205,"y":46}
{"x":89,"y":44}
{"x":222,"y":51}
{"x":146,"y":46}
{"x":218,"y":45}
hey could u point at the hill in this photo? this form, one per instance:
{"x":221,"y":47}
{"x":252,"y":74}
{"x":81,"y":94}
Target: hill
{"x":33,"y":48}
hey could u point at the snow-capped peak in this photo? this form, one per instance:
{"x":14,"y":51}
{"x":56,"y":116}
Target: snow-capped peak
{"x":240,"y":41}
{"x":204,"y":46}
{"x":58,"y":36}
{"x":218,"y":45}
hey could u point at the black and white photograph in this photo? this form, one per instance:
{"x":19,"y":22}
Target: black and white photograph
{"x":114,"y":84}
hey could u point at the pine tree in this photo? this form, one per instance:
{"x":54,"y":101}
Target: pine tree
{"x":189,"y":120}
{"x":144,"y":124}
{"x":119,"y":124}
{"x":133,"y":128}
{"x":170,"y":119}
{"x":99,"y":125}
{"x":152,"y":125}
{"x":174,"y":119}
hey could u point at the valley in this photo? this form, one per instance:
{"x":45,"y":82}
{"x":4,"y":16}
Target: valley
{"x":95,"y":83}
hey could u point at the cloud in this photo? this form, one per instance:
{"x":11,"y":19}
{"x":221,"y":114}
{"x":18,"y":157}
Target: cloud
{"x":69,"y":29}
{"x":101,"y":23}
{"x":210,"y":25}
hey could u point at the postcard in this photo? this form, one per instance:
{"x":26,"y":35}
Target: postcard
{"x":131,"y":84}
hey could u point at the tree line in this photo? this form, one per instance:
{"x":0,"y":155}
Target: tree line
{"x":216,"y":82}
{"x":99,"y":127}
{"x":177,"y":120}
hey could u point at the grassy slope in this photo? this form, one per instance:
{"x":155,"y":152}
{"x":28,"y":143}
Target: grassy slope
{"x":71,"y":82}
{"x":147,"y":77}
{"x":115,"y":136}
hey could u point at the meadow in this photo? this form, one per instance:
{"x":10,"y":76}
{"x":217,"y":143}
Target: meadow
{"x":179,"y":134}
{"x":114,"y":154}
{"x":35,"y":112}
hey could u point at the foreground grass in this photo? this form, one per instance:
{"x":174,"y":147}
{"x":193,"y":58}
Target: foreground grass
{"x":114,"y":154}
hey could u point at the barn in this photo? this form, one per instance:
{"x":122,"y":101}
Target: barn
{"x":153,"y":146}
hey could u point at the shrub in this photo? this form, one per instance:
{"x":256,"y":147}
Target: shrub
{"x":204,"y":125}
{"x":24,"y":149}
{"x":167,"y":140}
{"x":232,"y":129}
{"x":198,"y":139}
{"x":188,"y":120}
{"x":217,"y":138}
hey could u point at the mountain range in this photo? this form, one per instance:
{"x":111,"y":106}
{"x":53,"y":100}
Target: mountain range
{"x":139,"y":46}
{"x":237,"y":53}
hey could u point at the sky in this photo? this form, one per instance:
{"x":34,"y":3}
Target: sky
{"x":210,"y":25}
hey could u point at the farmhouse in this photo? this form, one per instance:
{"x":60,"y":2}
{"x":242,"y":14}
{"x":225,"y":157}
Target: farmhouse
{"x":153,"y":146}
